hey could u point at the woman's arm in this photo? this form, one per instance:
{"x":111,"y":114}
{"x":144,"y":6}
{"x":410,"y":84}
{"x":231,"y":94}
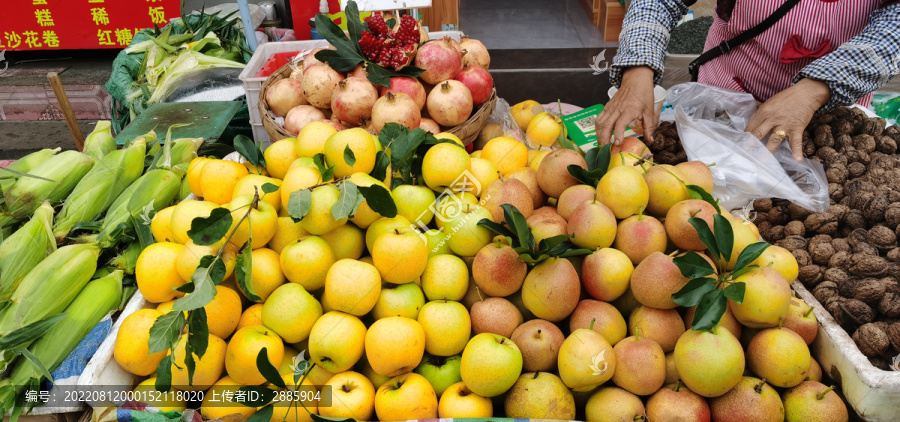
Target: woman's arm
{"x":863,"y":64}
{"x":645,"y":36}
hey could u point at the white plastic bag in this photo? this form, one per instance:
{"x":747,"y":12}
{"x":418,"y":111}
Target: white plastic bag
{"x":711,"y":122}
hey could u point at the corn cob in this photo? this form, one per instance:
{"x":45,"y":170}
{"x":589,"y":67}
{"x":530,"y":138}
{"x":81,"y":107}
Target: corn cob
{"x":101,"y":186}
{"x":127,"y":259}
{"x":154,"y":190}
{"x":27,"y":247}
{"x":97,"y":299}
{"x":24,"y":165}
{"x":183,"y":151}
{"x":185,"y":189}
{"x":50,"y":286}
{"x":64,"y":169}
{"x":100,"y":142}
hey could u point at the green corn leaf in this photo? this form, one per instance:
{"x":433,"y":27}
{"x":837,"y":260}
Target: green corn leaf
{"x":29,"y":333}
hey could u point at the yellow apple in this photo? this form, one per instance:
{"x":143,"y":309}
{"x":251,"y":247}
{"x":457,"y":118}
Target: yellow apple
{"x":365,"y":216}
{"x":490,"y":365}
{"x":445,"y":277}
{"x":406,"y":397}
{"x":444,"y":167}
{"x":261,"y":223}
{"x":291,"y":311}
{"x":416,"y":203}
{"x":447,"y":327}
{"x":320,"y":220}
{"x":399,"y":300}
{"x":384,"y":225}
{"x":353,"y":396}
{"x":395,"y":345}
{"x":351,"y":286}
{"x":586,"y":360}
{"x":347,"y":241}
{"x":400,"y":255}
{"x":337,"y":341}
{"x":460,"y":402}
{"x":307,"y":261}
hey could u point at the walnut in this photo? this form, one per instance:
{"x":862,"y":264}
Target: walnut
{"x":776,"y":233}
{"x":829,"y":155}
{"x":794,"y":228}
{"x":893,"y":255}
{"x":825,"y":290}
{"x":855,"y":220}
{"x":864,"y":143}
{"x":763,"y":227}
{"x":762,"y":205}
{"x":891,"y":285}
{"x":844,"y":127}
{"x":779,"y":216}
{"x":811,"y":275}
{"x":875,"y":208}
{"x":864,"y":249}
{"x":889,"y":305}
{"x":837,"y":275}
{"x":859,"y":197}
{"x":843,"y":142}
{"x":823,"y":137}
{"x":854,"y":313}
{"x":837,"y":174}
{"x":874,"y":126}
{"x":845,"y":289}
{"x":792,"y":243}
{"x":893,"y":332}
{"x":817,"y":221}
{"x":882,"y":161}
{"x":887,"y":145}
{"x":802,"y":257}
{"x":876,"y":175}
{"x":823,"y":119}
{"x":892,"y":215}
{"x":759,"y":218}
{"x":882,"y":237}
{"x":797,"y":212}
{"x":840,"y":245}
{"x":821,"y":252}
{"x":868,"y":266}
{"x":821,"y":238}
{"x":856,"y":169}
{"x":872,"y":341}
{"x":836,"y":191}
{"x":893,"y":132}
{"x":868,"y":290}
{"x":837,"y":211}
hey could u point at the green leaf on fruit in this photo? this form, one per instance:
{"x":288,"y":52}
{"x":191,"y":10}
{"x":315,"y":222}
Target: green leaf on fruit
{"x":692,"y":292}
{"x":379,"y":200}
{"x":735,"y":292}
{"x":574,"y":252}
{"x":268,"y":188}
{"x":165,"y":331}
{"x":389,"y":133}
{"x":263,"y":396}
{"x":262,"y":415}
{"x":348,"y":201}
{"x":198,"y":332}
{"x":710,"y":310}
{"x":705,"y":234}
{"x":189,"y":363}
{"x":299,"y":204}
{"x":692,"y":265}
{"x":518,"y":224}
{"x":164,"y":375}
{"x":549,"y":243}
{"x":724,"y":236}
{"x":317,"y":418}
{"x":269,"y":372}
{"x":501,"y":230}
{"x":206,"y":231}
{"x":739,"y":272}
{"x":749,"y":254}
{"x":382,"y":162}
{"x":326,"y":171}
{"x":243,"y":272}
{"x":249,"y":150}
{"x":355,"y":25}
{"x":697,"y":192}
{"x":333,"y":33}
{"x":349,"y":157}
{"x":210,"y":272}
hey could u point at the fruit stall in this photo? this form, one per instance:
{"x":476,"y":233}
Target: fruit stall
{"x":398,"y":242}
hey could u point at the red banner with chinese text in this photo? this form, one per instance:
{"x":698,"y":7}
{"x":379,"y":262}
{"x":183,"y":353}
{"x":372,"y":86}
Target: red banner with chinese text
{"x":79,"y":24}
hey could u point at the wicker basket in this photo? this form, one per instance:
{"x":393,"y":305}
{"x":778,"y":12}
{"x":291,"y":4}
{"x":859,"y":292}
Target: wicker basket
{"x":467,"y":131}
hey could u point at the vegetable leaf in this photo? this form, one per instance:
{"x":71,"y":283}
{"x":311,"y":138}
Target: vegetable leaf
{"x":735,"y":292}
{"x":29,"y":333}
{"x":379,"y":199}
{"x":750,"y":254}
{"x":710,"y":310}
{"x":209,"y":230}
{"x":724,"y":236}
{"x":706,"y":235}
{"x":693,"y":291}
{"x":692,"y":265}
{"x":267,"y":370}
{"x":249,"y":150}
{"x":165,"y":331}
{"x":299,"y":204}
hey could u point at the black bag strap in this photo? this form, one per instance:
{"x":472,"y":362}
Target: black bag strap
{"x":728,"y":45}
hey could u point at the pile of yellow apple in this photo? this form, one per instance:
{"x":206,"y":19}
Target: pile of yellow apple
{"x":428,"y":314}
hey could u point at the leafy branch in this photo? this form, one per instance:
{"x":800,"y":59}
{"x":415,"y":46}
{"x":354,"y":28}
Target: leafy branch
{"x":597,"y":159}
{"x":521,"y":239}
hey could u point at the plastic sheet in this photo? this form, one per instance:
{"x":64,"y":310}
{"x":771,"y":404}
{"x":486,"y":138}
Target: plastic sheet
{"x":711,"y":122}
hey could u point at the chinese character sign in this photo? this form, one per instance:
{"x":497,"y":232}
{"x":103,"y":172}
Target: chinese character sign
{"x":80,"y":24}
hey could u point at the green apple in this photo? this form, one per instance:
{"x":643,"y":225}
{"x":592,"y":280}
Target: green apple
{"x":490,"y":364}
{"x":466,"y":237}
{"x":399,"y":300}
{"x":440,"y":371}
{"x":437,"y":242}
{"x":365,"y":368}
{"x":337,"y":341}
{"x":416,"y":203}
{"x":319,"y":219}
{"x":447,"y":327}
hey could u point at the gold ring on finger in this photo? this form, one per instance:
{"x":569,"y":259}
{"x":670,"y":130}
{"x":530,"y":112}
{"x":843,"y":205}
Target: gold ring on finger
{"x":780,"y":133}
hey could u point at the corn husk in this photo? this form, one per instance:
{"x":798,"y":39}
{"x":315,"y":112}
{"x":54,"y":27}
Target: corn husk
{"x":97,"y":299}
{"x":24,"y":165}
{"x":50,"y":286}
{"x":53,"y":180}
{"x":153,"y":191}
{"x":101,"y":186}
{"x":127,"y":259}
{"x":25,"y":249}
{"x":100,"y":142}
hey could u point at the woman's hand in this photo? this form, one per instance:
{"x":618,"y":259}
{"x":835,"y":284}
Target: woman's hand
{"x":633,"y":101}
{"x":787,"y":114}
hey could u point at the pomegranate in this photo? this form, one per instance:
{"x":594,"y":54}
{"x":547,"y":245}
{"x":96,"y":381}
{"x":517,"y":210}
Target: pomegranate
{"x":393,"y":49}
{"x":395,"y":108}
{"x":353,"y":99}
{"x":423,"y":34}
{"x":300,"y":116}
{"x":334,"y":123}
{"x":359,"y":71}
{"x":319,"y":83}
{"x":430,"y":126}
{"x":310,"y":59}
{"x":479,"y":82}
{"x":408,"y":86}
{"x":476,"y":52}
{"x":450,"y":103}
{"x":440,"y":60}
{"x":284,"y":95}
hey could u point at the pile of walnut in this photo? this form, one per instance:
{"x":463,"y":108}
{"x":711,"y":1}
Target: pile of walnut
{"x":849,"y":256}
{"x":666,"y":146}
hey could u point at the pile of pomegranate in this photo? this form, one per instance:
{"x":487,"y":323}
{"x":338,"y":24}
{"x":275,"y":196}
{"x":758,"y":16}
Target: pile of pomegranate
{"x":454,"y":83}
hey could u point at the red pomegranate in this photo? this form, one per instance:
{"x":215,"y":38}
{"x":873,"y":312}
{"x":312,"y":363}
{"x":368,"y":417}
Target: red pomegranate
{"x":310,"y":59}
{"x":408,"y":86}
{"x":440,"y":60}
{"x":319,"y":83}
{"x":359,"y":71}
{"x":353,"y":99}
{"x":395,"y":108}
{"x":301,"y":116}
{"x":450,"y":103}
{"x":476,"y":52}
{"x":393,"y":49}
{"x":284,"y":95}
{"x":479,"y":82}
